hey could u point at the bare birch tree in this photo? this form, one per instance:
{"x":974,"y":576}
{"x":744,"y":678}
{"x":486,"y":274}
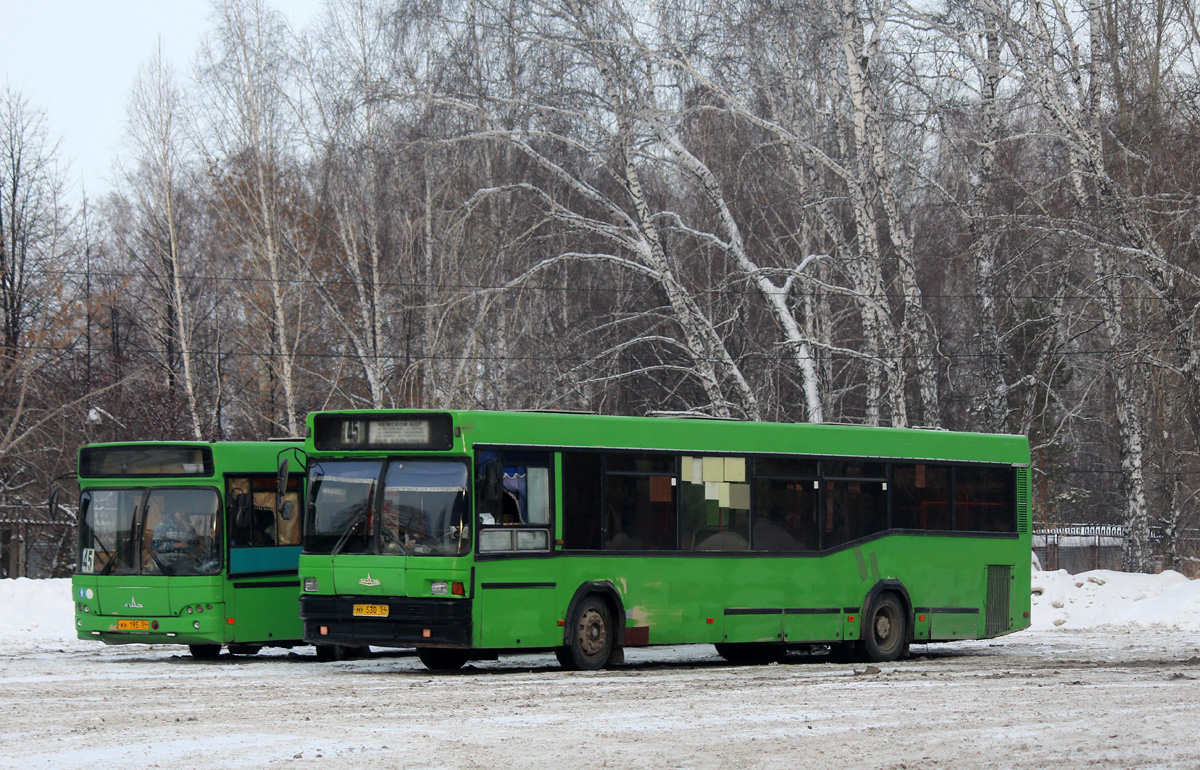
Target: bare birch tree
{"x":157,"y":133}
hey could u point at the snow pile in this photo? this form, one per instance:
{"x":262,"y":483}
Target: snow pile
{"x":36,"y":611}
{"x":1107,"y":598}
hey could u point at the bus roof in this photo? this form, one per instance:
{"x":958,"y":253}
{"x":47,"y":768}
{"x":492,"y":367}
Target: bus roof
{"x":567,"y":430}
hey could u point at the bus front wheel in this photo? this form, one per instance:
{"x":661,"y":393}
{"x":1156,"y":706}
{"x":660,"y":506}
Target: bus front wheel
{"x":591,"y":643}
{"x":205,"y":651}
{"x":885,"y":633}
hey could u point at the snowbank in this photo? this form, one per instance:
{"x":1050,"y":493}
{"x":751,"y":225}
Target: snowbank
{"x":40,"y":613}
{"x":36,"y":612}
{"x":1104,"y":598}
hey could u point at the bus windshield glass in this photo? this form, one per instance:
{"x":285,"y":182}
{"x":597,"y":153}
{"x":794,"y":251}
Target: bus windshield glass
{"x":340,"y":497}
{"x":163,"y":532}
{"x":181,"y":534}
{"x":424,"y":507}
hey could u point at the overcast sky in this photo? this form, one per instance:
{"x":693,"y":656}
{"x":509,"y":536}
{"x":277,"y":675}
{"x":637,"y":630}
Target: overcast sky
{"x":77,"y":59}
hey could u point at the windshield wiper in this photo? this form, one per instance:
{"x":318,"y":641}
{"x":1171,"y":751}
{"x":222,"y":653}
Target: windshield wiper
{"x":161,"y":567}
{"x":358,"y":518}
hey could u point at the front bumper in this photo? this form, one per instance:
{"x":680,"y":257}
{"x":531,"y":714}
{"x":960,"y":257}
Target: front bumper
{"x":171,"y":630}
{"x":408,"y":623}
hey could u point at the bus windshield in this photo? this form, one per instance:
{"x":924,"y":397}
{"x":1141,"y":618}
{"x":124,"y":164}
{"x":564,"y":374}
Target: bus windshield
{"x":422,"y":511}
{"x":155,"y":532}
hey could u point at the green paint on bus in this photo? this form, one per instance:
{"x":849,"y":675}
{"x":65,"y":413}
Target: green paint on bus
{"x":189,"y":543}
{"x":466,"y":534}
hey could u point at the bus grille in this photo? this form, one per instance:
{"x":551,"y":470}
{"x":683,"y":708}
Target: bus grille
{"x":998,"y":592}
{"x":1023,"y":502}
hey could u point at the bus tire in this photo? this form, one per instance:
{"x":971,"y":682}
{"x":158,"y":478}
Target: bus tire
{"x":442,"y":659}
{"x":591,"y":640}
{"x":753,"y":653}
{"x":885,"y":632}
{"x":205,"y":651}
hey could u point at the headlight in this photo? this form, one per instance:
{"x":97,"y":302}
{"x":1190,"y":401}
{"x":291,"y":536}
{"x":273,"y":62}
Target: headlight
{"x":439,"y":588}
{"x":310,"y":586}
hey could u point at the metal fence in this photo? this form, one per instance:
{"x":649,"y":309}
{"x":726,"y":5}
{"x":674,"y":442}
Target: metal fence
{"x":1080,"y":547}
{"x":34,"y":547}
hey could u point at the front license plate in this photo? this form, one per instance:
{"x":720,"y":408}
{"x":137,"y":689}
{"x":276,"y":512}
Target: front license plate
{"x":133,"y":625}
{"x":371,"y":610}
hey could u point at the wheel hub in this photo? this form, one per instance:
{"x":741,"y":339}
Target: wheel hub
{"x":592,"y":633}
{"x":883,"y":627}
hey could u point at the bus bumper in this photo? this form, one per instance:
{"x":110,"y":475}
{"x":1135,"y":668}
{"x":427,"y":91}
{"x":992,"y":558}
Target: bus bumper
{"x":189,"y":629}
{"x":408,"y":622}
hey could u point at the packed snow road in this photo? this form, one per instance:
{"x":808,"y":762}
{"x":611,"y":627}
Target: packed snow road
{"x":1104,"y":698}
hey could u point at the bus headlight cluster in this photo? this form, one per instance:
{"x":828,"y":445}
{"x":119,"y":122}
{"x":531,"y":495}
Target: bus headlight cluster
{"x":439,"y":588}
{"x":310,"y":586}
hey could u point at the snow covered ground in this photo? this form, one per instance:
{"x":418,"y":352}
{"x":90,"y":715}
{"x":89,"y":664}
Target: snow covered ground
{"x":1108,"y":676}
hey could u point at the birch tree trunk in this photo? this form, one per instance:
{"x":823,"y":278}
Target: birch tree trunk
{"x":154,"y":117}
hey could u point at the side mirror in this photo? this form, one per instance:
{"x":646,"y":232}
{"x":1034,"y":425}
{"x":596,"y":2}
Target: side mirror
{"x":287,"y":511}
{"x":281,"y":479}
{"x":243,"y":507}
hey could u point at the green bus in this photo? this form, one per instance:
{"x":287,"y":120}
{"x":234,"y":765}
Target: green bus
{"x":190,"y":543}
{"x":466,"y":534}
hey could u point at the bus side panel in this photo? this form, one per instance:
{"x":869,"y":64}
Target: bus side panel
{"x":263,"y":611}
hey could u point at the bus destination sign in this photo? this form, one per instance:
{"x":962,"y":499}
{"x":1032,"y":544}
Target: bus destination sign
{"x":385,"y":431}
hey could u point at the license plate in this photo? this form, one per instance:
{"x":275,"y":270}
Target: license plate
{"x":371,"y":610}
{"x":133,"y":625}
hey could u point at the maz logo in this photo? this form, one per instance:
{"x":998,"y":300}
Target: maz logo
{"x":133,"y":604}
{"x":368,"y":581}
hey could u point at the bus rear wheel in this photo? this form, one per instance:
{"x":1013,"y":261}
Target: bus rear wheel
{"x":885,"y":633}
{"x":205,"y":651}
{"x":591,"y":642}
{"x":441,"y":659}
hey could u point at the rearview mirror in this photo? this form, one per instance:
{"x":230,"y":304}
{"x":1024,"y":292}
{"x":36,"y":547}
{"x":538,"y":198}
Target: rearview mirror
{"x":281,"y":479}
{"x":288,"y":510}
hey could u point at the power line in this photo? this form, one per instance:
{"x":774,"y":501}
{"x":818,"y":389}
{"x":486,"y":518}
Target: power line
{"x":566,"y":289}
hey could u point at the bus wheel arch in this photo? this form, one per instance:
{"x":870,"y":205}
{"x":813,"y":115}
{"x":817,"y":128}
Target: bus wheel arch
{"x":886,"y":622}
{"x":597,"y":610}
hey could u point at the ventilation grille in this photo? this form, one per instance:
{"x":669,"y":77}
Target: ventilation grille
{"x":998,"y":592}
{"x":1023,"y":500}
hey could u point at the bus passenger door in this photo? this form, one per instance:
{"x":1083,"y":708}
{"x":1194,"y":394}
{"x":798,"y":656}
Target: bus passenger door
{"x":262,"y":599}
{"x":514,"y":588}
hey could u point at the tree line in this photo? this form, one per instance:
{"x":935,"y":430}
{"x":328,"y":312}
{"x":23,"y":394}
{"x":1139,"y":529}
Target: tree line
{"x":975,"y":215}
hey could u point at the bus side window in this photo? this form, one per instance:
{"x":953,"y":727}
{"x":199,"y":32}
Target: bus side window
{"x":921,"y":496}
{"x":714,"y":512}
{"x":639,"y":502}
{"x":581,"y":501}
{"x":855,"y":501}
{"x":985,"y":499}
